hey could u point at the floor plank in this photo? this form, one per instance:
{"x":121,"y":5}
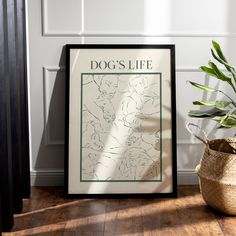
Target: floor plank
{"x":48,"y":213}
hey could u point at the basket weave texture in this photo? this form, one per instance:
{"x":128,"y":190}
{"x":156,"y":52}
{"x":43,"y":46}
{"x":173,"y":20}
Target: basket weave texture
{"x":217,"y":175}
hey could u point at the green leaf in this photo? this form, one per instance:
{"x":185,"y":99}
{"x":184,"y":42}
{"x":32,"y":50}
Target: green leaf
{"x":204,"y":103}
{"x":220,"y":111}
{"x":220,"y":75}
{"x":227,"y":66}
{"x":218,"y":50}
{"x":208,"y":70}
{"x":203,"y":87}
{"x":218,"y":104}
{"x":212,"y":112}
{"x":222,"y":104}
{"x":228,"y":122}
{"x":221,"y":61}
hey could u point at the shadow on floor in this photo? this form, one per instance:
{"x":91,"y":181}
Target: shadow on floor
{"x":47,"y":213}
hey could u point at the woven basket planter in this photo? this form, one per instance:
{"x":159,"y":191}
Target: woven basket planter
{"x":217,"y":175}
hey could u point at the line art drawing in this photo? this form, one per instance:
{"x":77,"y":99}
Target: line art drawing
{"x":121,"y":127}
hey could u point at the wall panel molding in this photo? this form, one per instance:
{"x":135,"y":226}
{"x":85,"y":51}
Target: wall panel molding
{"x":50,"y":33}
{"x":46,"y":104}
{"x":193,"y":69}
{"x":187,"y":142}
{"x":187,"y":177}
{"x":56,"y":33}
{"x":188,"y":69}
{"x":147,"y":34}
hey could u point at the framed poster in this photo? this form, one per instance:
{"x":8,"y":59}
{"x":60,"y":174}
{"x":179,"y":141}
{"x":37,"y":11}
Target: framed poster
{"x":120,"y":120}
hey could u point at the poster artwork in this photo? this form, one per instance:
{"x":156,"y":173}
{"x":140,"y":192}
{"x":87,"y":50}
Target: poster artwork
{"x":121,"y":127}
{"x":120,"y":120}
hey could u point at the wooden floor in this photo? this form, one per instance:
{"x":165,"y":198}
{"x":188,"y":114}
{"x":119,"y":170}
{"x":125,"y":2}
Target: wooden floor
{"x":47,"y":213}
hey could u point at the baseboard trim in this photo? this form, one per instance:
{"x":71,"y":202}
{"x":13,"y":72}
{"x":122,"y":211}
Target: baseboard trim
{"x":47,"y":178}
{"x":187,"y":177}
{"x":56,"y":177}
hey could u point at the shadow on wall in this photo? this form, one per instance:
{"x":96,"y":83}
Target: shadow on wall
{"x":191,"y":154}
{"x":52,"y":141}
{"x":51,"y":149}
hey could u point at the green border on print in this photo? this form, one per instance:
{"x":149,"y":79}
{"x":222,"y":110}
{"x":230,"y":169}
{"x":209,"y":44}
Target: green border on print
{"x":81,"y":117}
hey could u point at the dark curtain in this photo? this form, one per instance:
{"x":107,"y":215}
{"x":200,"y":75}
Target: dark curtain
{"x":14,"y":138}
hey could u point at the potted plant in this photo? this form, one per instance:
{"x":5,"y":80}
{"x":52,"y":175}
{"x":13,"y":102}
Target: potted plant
{"x":217,"y":169}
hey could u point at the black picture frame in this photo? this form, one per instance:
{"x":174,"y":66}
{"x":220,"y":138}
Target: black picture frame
{"x":119,"y":47}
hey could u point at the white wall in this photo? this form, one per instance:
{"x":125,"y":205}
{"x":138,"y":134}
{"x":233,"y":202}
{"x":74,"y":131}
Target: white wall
{"x":189,"y":24}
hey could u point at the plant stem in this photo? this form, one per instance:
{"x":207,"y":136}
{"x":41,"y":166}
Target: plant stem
{"x":234,"y":88}
{"x":234,"y":75}
{"x":228,"y":97}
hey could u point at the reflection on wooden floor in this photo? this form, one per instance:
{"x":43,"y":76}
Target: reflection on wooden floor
{"x":47,"y":213}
